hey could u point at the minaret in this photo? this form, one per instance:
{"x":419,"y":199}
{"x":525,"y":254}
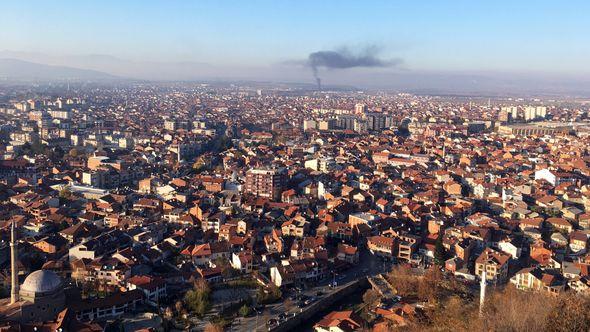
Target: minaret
{"x":13,"y":267}
{"x":482,"y":290}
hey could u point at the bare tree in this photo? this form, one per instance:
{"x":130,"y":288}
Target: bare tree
{"x":371,"y":299}
{"x":213,"y":328}
{"x":570,"y":313}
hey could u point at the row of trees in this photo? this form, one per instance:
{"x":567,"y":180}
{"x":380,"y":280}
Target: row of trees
{"x":198,"y":302}
{"x":450,"y":306}
{"x":510,"y":310}
{"x":37,"y":148}
{"x":55,"y":153}
{"x":432,"y":286}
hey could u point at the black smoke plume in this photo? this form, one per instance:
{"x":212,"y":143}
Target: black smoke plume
{"x":344,"y":59}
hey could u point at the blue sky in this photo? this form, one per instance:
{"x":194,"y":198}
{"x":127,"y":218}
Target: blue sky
{"x":523,"y":36}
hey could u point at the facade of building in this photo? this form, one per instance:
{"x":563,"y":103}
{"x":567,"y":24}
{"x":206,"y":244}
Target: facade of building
{"x":265,"y":182}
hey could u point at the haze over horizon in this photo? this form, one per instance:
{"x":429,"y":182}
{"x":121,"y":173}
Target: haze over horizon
{"x":529,"y":46}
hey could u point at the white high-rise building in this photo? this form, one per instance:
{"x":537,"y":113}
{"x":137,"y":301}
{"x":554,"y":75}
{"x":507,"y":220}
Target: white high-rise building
{"x":541,"y":112}
{"x":530,"y":113}
{"x":512,"y":110}
{"x":535,"y":112}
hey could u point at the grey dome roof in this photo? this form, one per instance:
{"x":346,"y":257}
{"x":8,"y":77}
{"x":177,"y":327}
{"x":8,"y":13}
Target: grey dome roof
{"x":41,"y":281}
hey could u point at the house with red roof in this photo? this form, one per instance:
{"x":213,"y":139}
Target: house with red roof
{"x":153,"y":287}
{"x":339,"y":321}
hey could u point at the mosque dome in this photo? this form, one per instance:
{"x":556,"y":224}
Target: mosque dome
{"x":41,"y":281}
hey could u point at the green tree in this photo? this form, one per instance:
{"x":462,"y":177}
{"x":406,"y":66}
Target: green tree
{"x":227,"y":271}
{"x":34,"y":148}
{"x":202,"y":286}
{"x":245,"y":310}
{"x":440,"y":254}
{"x":56,"y":153}
{"x":197,"y":300}
{"x":200,"y":165}
{"x":65,"y":193}
{"x":269,"y":294}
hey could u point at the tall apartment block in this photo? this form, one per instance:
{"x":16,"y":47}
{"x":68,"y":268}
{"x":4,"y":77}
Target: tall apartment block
{"x":266,"y":182}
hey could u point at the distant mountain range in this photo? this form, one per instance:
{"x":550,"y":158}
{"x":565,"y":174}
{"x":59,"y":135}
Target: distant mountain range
{"x":27,"y":66}
{"x":19,"y":70}
{"x":124,"y":68}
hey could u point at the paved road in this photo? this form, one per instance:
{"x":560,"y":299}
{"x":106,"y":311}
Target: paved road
{"x":368,"y":265}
